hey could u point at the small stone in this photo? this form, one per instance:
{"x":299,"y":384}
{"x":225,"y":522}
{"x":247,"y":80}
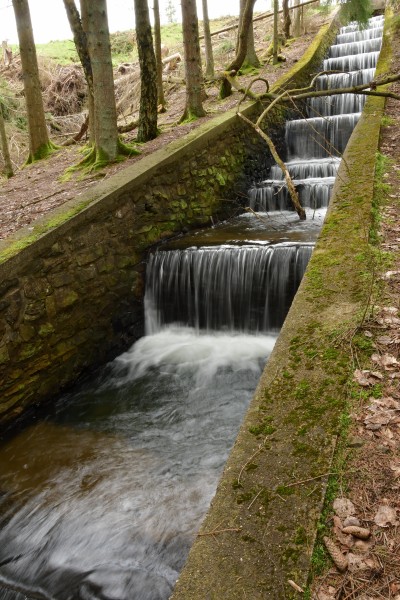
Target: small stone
{"x":355,"y":442}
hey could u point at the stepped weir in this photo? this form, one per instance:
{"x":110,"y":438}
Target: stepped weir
{"x":137,"y":452}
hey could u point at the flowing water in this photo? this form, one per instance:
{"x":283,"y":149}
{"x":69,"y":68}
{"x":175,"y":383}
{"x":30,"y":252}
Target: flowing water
{"x":101,"y":497}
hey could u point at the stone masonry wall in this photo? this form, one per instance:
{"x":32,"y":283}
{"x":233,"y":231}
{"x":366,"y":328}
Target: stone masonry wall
{"x":72,"y":298}
{"x":71,"y":290}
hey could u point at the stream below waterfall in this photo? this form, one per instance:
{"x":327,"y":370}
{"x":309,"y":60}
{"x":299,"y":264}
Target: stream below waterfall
{"x":101,"y":496}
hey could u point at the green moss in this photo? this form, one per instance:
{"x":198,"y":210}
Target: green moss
{"x":283,"y":490}
{"x":42,"y":152}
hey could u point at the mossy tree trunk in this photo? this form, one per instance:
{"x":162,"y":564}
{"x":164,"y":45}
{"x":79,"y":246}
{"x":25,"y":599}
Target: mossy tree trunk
{"x":286,"y":19}
{"x":157,"y":43}
{"x":193,"y":72}
{"x":39,"y":143}
{"x":147,"y":129}
{"x":246,"y":21}
{"x":8,"y":169}
{"x":251,"y":57}
{"x":105,"y":122}
{"x":275,"y":40}
{"x":207,"y":42}
{"x":81,"y":45}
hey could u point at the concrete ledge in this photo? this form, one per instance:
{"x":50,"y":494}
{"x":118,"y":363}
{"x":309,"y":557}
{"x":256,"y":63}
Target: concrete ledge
{"x":261,"y":526}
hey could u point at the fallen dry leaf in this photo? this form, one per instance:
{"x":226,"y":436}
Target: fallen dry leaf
{"x":386,"y":516}
{"x":395,"y":467}
{"x":385,"y":340}
{"x":366,"y":378}
{"x":359,"y":563}
{"x":343,"y":507}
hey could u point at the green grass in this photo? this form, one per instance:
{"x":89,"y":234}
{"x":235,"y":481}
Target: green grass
{"x":61,"y":51}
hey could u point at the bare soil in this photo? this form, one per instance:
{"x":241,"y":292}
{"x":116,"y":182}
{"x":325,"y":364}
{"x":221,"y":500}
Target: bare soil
{"x":37,"y":189}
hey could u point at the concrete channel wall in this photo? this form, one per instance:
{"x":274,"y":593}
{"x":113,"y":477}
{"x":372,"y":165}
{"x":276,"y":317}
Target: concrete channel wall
{"x":261,"y":527}
{"x":71,"y":290}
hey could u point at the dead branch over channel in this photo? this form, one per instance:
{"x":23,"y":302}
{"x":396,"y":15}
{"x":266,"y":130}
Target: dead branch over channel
{"x":291,"y":96}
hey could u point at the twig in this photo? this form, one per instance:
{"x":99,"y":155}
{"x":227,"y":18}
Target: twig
{"x":254,"y":499}
{"x":215,"y":531}
{"x":307,"y":480}
{"x":295,"y":586}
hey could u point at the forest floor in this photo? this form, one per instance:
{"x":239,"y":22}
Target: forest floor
{"x":369,"y":491}
{"x":37,"y":189}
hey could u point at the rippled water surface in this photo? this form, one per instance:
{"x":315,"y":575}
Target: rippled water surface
{"x":103,"y":497}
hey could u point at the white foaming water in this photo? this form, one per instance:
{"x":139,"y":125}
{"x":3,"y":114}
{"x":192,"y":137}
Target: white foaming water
{"x":111,"y":512}
{"x":184,"y":350}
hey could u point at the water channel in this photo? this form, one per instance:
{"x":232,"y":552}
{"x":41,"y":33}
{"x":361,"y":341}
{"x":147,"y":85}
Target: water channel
{"x":101,"y":497}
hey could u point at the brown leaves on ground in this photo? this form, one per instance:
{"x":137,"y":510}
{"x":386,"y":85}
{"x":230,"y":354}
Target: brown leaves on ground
{"x":372,"y":498}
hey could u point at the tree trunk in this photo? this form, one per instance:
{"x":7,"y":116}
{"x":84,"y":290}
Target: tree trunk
{"x":297,"y":20}
{"x":8,"y":169}
{"x":191,"y":46}
{"x":105,"y":125}
{"x":251,"y":57}
{"x":81,"y":44}
{"x":207,"y":41}
{"x":157,"y":43}
{"x":148,"y":74}
{"x":247,"y":19}
{"x":286,"y":19}
{"x":275,"y":42}
{"x":39,"y":143}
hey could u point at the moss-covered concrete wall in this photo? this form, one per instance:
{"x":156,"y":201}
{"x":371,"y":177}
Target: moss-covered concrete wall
{"x":71,"y":288}
{"x":261,"y":527}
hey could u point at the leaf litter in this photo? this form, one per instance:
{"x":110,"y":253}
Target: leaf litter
{"x":367,"y":566}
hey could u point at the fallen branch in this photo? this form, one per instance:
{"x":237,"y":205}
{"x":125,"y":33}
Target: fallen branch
{"x":216,"y":531}
{"x":289,"y":182}
{"x":76,"y":138}
{"x":128,"y":127}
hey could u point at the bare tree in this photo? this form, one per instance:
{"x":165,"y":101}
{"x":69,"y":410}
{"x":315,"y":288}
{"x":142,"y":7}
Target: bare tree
{"x":39,"y":143}
{"x":286,"y":19}
{"x":207,"y":41}
{"x":251,"y":57}
{"x":81,"y":44}
{"x":194,"y":76}
{"x":148,"y":74}
{"x":297,"y":19}
{"x":157,"y":43}
{"x":247,"y":19}
{"x":107,"y":145}
{"x":275,"y":40}
{"x":8,"y":168}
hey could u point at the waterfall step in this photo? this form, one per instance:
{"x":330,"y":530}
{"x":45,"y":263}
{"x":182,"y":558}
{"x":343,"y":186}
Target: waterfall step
{"x":245,"y":288}
{"x":302,"y":169}
{"x":350,"y":79}
{"x":358,"y":47}
{"x":354,"y":36}
{"x":319,"y":136}
{"x":353,"y":62}
{"x":273,"y":194}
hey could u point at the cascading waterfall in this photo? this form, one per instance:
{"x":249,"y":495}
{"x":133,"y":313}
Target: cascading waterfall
{"x":244,"y":288}
{"x":314,"y":144}
{"x":102,"y":497}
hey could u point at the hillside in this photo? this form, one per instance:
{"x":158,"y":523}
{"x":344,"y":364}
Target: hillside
{"x":35,"y":190}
